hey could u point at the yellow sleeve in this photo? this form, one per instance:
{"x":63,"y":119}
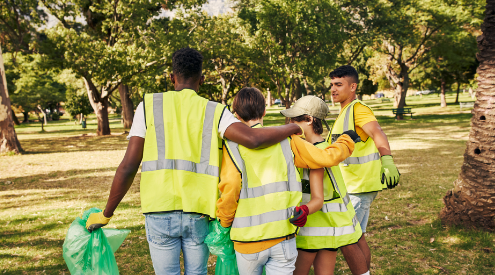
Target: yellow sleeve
{"x":362,"y":115}
{"x":306,"y":155}
{"x":230,"y":186}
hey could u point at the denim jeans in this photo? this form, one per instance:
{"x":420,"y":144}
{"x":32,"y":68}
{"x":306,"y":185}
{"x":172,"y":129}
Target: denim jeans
{"x":168,"y":233}
{"x":362,"y":204}
{"x":279,"y":259}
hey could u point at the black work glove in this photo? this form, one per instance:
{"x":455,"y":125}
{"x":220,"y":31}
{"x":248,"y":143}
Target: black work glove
{"x":354,"y":136}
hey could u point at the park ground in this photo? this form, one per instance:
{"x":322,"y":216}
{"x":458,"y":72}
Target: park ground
{"x":67,"y":170}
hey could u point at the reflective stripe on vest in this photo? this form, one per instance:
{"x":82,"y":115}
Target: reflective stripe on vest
{"x":360,"y":171}
{"x":329,"y":231}
{"x":270,"y":191}
{"x":291,"y":185}
{"x":357,"y":160}
{"x":203,"y":166}
{"x":335,"y":224}
{"x":273,"y":216}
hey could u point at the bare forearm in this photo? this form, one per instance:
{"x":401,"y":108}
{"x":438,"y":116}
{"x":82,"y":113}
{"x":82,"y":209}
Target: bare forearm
{"x":125,"y":174}
{"x":382,"y":144}
{"x":121,"y":183}
{"x":259,"y":137}
{"x":374,"y":130}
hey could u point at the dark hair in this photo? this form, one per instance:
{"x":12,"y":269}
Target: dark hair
{"x":187,"y":63}
{"x":317,"y":126}
{"x":346,"y":71}
{"x":249,"y":104}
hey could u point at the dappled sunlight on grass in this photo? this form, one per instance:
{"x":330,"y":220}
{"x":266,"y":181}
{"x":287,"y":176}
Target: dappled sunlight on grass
{"x":67,"y":170}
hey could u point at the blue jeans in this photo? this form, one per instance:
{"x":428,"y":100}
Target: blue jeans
{"x":362,"y":204}
{"x":279,"y":259}
{"x":168,"y":233}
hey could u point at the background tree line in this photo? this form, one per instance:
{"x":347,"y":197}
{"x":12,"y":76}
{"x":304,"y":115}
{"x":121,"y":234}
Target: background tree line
{"x":103,"y":53}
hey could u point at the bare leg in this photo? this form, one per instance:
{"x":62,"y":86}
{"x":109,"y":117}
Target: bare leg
{"x":325,"y":262}
{"x":363,"y":245}
{"x":355,"y":259}
{"x":304,"y":262}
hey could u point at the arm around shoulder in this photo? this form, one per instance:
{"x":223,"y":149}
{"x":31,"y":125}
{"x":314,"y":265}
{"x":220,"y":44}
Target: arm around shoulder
{"x":306,"y":155}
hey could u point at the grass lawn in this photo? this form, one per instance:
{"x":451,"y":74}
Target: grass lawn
{"x":67,"y":170}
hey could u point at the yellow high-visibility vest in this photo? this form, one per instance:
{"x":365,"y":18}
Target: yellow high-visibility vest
{"x":361,"y":171}
{"x":271,"y":189}
{"x":182,"y":153}
{"x":335,"y":224}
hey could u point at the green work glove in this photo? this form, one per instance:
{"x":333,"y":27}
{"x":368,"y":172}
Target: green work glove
{"x":96,"y":220}
{"x":390,"y":173}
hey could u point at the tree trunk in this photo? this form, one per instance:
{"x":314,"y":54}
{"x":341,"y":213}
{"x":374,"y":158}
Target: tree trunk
{"x":44,"y":114}
{"x":26,"y":117}
{"x":472,"y":201}
{"x":127,"y":106}
{"x":100,"y":107}
{"x":471,"y":93}
{"x":309,"y":89}
{"x":8,"y":137}
{"x":457,"y":95}
{"x":443,"y":101}
{"x":297,"y":92}
{"x":14,"y":117}
{"x":268,"y":98}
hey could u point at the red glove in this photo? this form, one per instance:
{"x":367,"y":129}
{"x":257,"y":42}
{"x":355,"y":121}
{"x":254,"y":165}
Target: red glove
{"x":300,"y":216}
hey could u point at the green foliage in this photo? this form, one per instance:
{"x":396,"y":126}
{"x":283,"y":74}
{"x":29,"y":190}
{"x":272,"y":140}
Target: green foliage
{"x":77,"y":101}
{"x":32,"y":84}
{"x":19,"y":19}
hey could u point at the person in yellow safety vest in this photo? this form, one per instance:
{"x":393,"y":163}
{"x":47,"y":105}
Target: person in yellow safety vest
{"x":261,"y":190}
{"x":364,"y":172}
{"x":178,"y":137}
{"x":335,"y":225}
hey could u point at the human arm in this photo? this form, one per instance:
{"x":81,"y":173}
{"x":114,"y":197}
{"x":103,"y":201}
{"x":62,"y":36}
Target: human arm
{"x":123,"y":179}
{"x":230,"y":187}
{"x":316,"y":186}
{"x":373,"y":130}
{"x":260,"y":137}
{"x":302,"y":212}
{"x":306,"y":155}
{"x":390,"y":173}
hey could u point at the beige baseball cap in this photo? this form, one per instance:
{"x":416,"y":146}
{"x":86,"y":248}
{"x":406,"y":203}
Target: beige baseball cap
{"x":307,"y":105}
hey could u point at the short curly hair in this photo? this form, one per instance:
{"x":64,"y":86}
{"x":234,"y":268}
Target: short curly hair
{"x":187,"y":63}
{"x":345,"y":71}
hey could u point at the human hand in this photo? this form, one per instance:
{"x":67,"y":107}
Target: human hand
{"x":353,"y":135}
{"x":96,"y":220}
{"x":300,"y":216}
{"x":390,"y":173}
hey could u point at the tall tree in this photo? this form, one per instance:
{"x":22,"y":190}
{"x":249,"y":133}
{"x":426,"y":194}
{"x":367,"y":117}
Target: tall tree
{"x":119,"y":40}
{"x":294,"y":39}
{"x":127,"y":105}
{"x":18,"y":20}
{"x":405,"y":32}
{"x":8,"y":137}
{"x":472,"y":201}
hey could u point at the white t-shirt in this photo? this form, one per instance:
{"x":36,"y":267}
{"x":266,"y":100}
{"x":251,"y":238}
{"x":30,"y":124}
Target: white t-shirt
{"x":138,"y":128}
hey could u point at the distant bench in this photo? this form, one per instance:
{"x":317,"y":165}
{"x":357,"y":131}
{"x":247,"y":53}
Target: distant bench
{"x":402,"y":111}
{"x":466,"y":104}
{"x":385,"y":99}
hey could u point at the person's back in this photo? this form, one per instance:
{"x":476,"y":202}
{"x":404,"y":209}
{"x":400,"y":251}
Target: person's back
{"x":271,"y":189}
{"x":169,"y":171}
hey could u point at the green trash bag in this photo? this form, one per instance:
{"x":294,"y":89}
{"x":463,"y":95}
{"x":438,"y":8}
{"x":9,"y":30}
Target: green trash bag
{"x":220,"y":245}
{"x":92,"y":253}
